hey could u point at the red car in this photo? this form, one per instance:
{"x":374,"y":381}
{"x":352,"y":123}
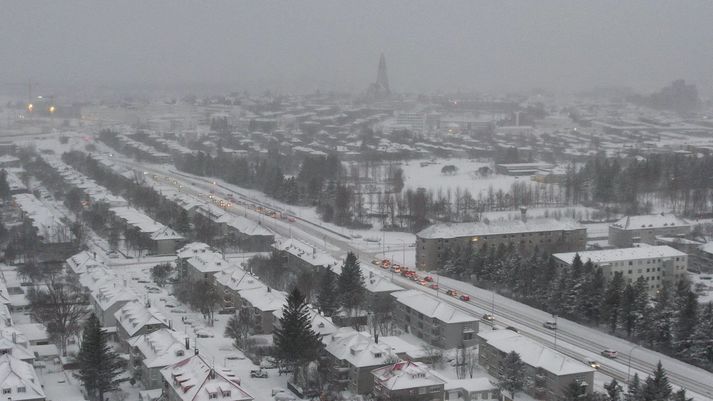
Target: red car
{"x":428,"y":278}
{"x":433,"y":286}
{"x":465,"y":298}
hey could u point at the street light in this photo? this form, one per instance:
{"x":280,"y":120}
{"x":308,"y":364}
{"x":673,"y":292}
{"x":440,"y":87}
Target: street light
{"x":628,"y":370}
{"x":30,"y":107}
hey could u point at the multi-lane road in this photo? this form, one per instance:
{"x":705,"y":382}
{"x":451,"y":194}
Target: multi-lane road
{"x":577,"y":341}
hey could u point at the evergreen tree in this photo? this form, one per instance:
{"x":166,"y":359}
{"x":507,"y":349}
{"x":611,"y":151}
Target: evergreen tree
{"x":687,"y":318}
{"x":296,"y":344}
{"x":512,"y":378}
{"x":614,"y":390}
{"x":701,"y":344}
{"x":680,"y":395}
{"x":628,"y":312}
{"x":612,"y":301}
{"x":99,"y":365}
{"x":350,"y":284}
{"x":327,"y":298}
{"x":657,"y":387}
{"x":634,"y":392}
{"x":183,"y":222}
{"x":4,"y":187}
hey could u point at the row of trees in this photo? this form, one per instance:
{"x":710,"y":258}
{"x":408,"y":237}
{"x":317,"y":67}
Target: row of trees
{"x":679,"y":180}
{"x":672,"y":322}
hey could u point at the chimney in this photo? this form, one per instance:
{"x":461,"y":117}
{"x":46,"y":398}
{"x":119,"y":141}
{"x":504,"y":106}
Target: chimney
{"x":376,"y":338}
{"x":196,"y":351}
{"x":188,"y":345}
{"x":523,"y":214}
{"x":170,"y":324}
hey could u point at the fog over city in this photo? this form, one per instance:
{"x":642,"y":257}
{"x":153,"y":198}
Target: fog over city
{"x":330,"y":45}
{"x":356,"y":200}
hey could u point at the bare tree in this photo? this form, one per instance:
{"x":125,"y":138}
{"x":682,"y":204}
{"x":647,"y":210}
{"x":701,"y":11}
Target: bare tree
{"x":59,"y":305}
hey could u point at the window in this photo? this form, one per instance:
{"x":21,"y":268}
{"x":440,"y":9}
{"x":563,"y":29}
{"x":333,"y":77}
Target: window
{"x":21,"y":389}
{"x":6,"y":391}
{"x":467,"y":336}
{"x":422,"y":390}
{"x":434,"y":389}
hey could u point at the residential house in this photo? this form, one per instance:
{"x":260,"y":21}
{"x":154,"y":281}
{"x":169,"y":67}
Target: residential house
{"x":136,"y":318}
{"x":151,"y":352}
{"x":198,"y":379}
{"x":407,"y":381}
{"x":19,"y":381}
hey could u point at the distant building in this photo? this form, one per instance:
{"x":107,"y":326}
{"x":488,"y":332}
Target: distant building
{"x":380,"y":90}
{"x":407,"y":381}
{"x":547,"y":371}
{"x":135,"y":318}
{"x":434,"y":242}
{"x":518,"y":169}
{"x":644,"y":229}
{"x":477,"y":388}
{"x":657,"y":264}
{"x":434,"y":321}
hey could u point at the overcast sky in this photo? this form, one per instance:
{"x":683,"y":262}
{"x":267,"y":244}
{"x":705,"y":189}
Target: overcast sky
{"x":306,"y":45}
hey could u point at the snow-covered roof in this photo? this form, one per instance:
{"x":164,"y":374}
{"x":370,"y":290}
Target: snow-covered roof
{"x":33,"y":331}
{"x":166,"y":233}
{"x":195,"y":379}
{"x":207,"y":261}
{"x":18,"y":350}
{"x":361,"y":349}
{"x":136,"y":218}
{"x":82,"y":262}
{"x":161,"y":348}
{"x":406,"y":375}
{"x":20,"y":379}
{"x":456,"y":230}
{"x":650,"y":221}
{"x":191,"y":249}
{"x":475,"y":384}
{"x":432,"y":307}
{"x":134,"y":315}
{"x":619,"y":254}
{"x":321,"y":325}
{"x":237,"y":279}
{"x":377,"y":283}
{"x":48,"y":226}
{"x":533,"y":353}
{"x":306,"y":252}
{"x":264,"y":299}
{"x":111,"y":293}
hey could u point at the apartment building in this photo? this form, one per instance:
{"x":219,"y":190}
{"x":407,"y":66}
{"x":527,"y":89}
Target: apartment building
{"x":434,"y":321}
{"x":657,"y":264}
{"x":631,"y":230}
{"x":547,"y":371}
{"x":434,"y":242}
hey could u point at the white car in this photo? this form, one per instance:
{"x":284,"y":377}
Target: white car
{"x":609,"y":353}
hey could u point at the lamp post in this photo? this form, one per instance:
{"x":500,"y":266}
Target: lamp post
{"x":628,"y":369}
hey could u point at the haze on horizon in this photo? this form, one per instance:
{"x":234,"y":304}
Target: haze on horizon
{"x":332,"y":45}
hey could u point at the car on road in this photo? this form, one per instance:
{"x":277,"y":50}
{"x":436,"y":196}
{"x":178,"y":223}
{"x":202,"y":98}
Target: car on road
{"x":452,"y":293}
{"x":550,"y":324}
{"x":610,"y":353}
{"x":465,"y":298}
{"x":592,"y":363}
{"x":428,"y":278}
{"x":433,"y":286}
{"x":512,"y":329}
{"x":489,"y":317}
